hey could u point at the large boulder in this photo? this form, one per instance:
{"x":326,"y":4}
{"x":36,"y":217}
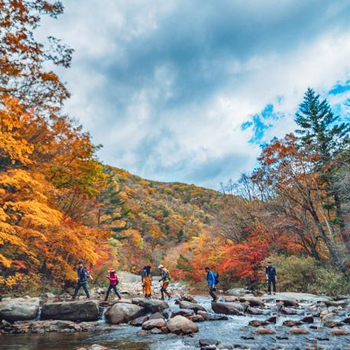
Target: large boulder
{"x":155,"y":323}
{"x":228,"y":308}
{"x":182,"y":325}
{"x":151,"y":305}
{"x":191,"y":306}
{"x":124,"y":313}
{"x":71,"y":311}
{"x":19,"y":309}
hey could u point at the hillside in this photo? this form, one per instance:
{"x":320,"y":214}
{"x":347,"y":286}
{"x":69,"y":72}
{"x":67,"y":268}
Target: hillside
{"x":156,"y":217}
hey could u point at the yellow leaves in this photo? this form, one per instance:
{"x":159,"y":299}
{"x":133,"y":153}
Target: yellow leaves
{"x":5,"y":262}
{"x":36,"y":214}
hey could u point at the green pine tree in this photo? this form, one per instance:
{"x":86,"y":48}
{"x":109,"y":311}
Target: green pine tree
{"x":320,"y":128}
{"x":113,"y":209}
{"x":321,"y":132}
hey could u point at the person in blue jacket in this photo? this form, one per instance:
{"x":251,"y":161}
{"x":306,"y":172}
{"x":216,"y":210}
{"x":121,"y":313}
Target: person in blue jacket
{"x":82,"y":280}
{"x":211,"y":279}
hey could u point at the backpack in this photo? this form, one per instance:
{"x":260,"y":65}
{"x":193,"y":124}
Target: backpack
{"x":168,"y":275}
{"x":216,"y":278}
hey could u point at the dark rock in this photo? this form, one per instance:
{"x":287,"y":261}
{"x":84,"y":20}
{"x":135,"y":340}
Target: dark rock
{"x":207,"y":342}
{"x":258,"y":323}
{"x":292,"y":323}
{"x":183,"y":312}
{"x":208,"y":316}
{"x":151,"y":305}
{"x":228,"y":308}
{"x":71,"y":311}
{"x":191,"y":306}
{"x":157,"y":315}
{"x":308,"y":319}
{"x":137,"y":322}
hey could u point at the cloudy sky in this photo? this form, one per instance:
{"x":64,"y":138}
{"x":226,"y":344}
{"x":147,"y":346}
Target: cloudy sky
{"x":187,"y":90}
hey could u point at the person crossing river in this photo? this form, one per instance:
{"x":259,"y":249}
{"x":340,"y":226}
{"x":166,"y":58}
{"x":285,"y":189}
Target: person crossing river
{"x":147,"y":281}
{"x":82,"y":280}
{"x":212,"y":279}
{"x":165,"y":280}
{"x":113,"y":282}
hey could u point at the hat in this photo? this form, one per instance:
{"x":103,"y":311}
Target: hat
{"x":111,"y":269}
{"x":160,"y":266}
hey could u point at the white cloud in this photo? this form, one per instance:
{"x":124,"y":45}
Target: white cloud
{"x":166,"y":85}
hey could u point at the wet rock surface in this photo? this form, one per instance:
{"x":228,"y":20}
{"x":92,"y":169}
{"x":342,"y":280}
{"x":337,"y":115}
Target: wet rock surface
{"x":19,"y":309}
{"x":71,"y":311}
{"x":124,"y":312}
{"x":267,"y":322}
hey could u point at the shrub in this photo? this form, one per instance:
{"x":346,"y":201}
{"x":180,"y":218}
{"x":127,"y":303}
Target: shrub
{"x":306,"y":275}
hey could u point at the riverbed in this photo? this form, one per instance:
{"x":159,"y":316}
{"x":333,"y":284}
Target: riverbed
{"x":229,"y":332}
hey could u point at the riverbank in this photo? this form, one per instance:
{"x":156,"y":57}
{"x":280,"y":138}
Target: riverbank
{"x":288,"y":321}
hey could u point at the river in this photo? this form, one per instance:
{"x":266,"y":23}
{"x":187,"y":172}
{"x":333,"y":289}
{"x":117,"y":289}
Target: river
{"x":126,"y":337}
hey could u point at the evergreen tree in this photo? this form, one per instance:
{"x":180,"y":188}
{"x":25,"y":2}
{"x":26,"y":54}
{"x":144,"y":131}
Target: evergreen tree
{"x":319,"y":128}
{"x":112,"y":210}
{"x":322,"y":133}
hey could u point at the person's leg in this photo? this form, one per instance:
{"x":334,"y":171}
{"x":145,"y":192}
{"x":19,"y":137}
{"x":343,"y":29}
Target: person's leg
{"x":166,"y":285}
{"x":269,"y":286}
{"x":77,"y":287}
{"x":85,"y":287}
{"x":212,"y":294}
{"x":108,"y":291}
{"x":274,"y":285}
{"x":116,"y":292}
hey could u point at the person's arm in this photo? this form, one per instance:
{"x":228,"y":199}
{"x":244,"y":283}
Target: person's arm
{"x":275,"y":274}
{"x":266,"y":271}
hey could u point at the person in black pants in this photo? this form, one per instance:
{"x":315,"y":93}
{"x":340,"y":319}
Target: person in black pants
{"x":113,"y":282}
{"x":82,"y":280}
{"x":271,"y":276}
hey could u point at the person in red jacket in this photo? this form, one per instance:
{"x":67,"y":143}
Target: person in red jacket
{"x":113,"y":282}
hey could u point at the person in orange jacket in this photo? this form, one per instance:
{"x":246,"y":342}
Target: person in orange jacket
{"x":147,"y":281}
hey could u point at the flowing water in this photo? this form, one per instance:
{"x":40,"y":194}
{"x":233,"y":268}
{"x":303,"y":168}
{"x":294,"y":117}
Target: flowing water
{"x":126,"y":337}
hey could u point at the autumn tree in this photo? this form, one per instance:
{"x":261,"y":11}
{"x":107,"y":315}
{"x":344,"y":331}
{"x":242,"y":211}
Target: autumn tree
{"x":23,"y":69}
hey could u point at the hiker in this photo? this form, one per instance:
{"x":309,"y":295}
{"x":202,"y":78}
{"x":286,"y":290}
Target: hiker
{"x":113,"y":282}
{"x":147,"y":281}
{"x":212,"y":279}
{"x":82,"y":280}
{"x":164,"y":281}
{"x":271,"y":276}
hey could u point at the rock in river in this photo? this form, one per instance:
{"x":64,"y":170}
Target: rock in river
{"x":228,"y":308}
{"x":124,"y":312}
{"x":19,"y":309}
{"x":152,"y":305}
{"x":71,"y":311}
{"x":156,"y":323}
{"x":191,"y":306}
{"x":182,"y":325}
